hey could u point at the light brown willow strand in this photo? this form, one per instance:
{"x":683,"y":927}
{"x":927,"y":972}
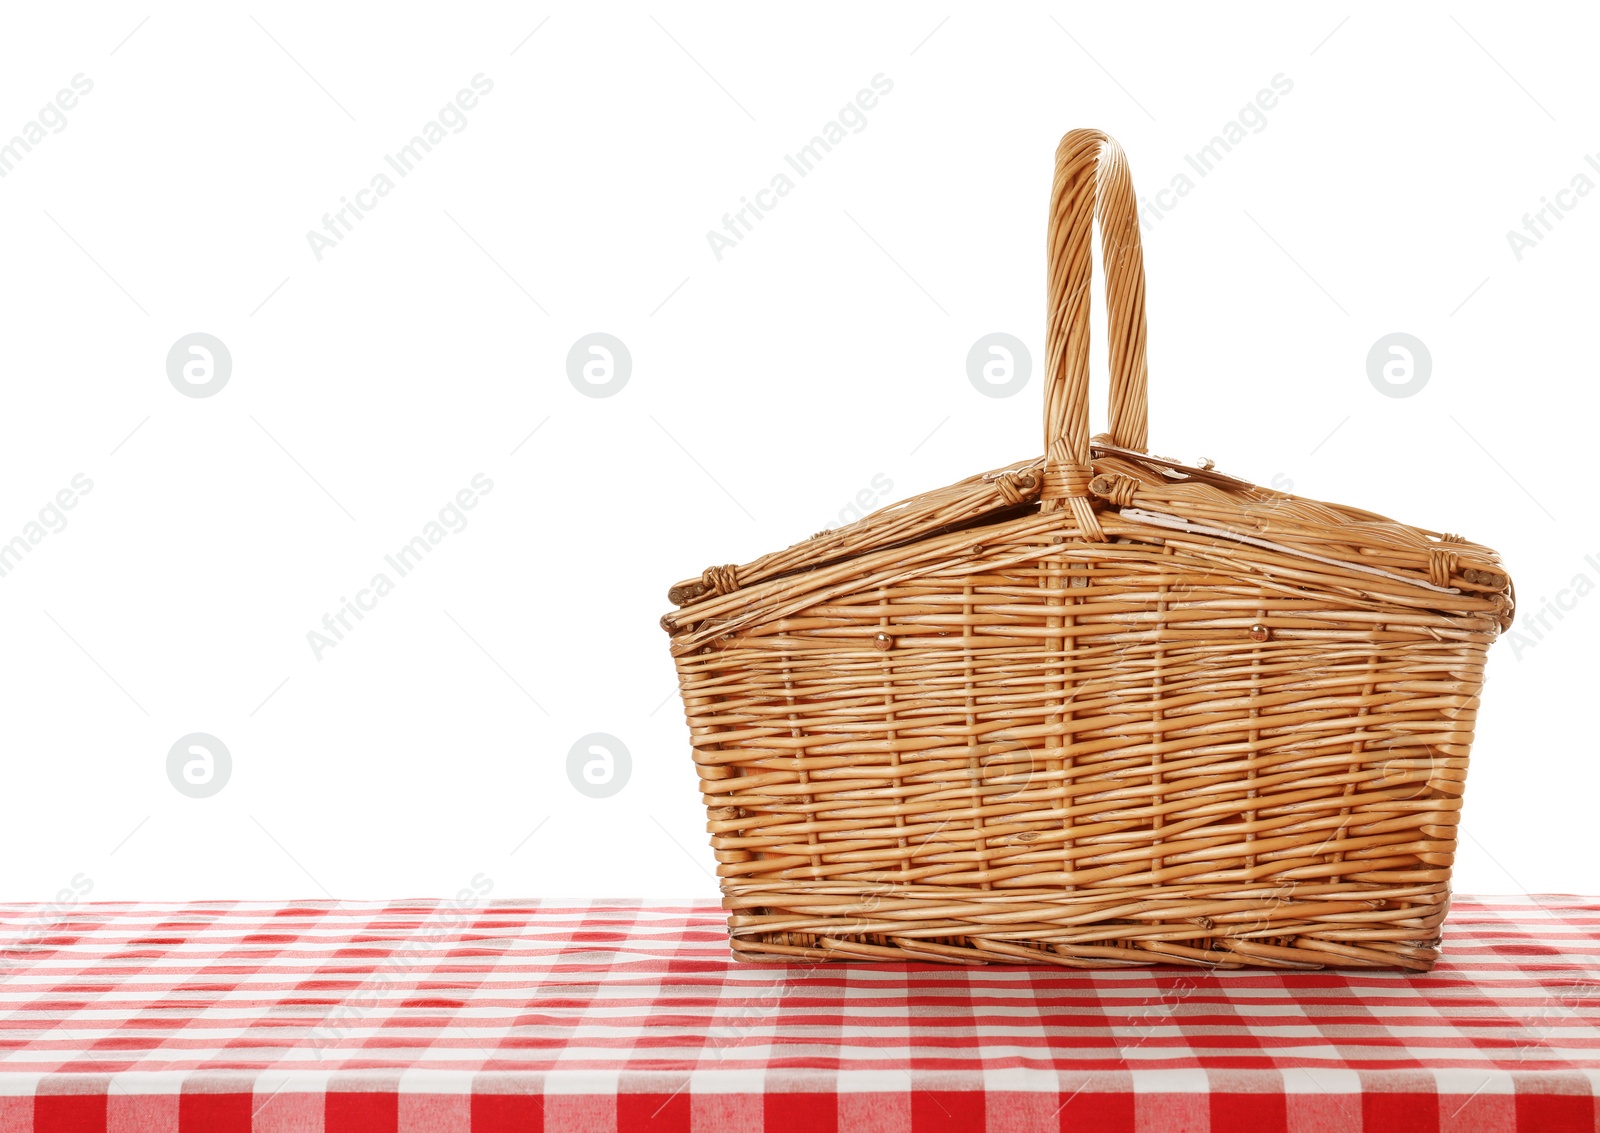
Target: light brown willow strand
{"x":1091,"y":180}
{"x":1212,"y":725}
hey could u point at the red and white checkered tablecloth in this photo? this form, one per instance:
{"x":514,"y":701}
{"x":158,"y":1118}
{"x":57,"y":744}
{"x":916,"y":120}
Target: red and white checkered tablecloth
{"x":499,"y":1016}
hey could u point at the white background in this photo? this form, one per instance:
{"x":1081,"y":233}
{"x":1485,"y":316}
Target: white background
{"x":767,"y":389}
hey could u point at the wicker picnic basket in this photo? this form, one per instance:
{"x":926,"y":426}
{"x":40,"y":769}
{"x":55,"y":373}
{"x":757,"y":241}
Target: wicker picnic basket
{"x":1094,"y":709}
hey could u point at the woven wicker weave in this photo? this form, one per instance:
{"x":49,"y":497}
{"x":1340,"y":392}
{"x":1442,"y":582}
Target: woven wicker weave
{"x":1094,"y":709}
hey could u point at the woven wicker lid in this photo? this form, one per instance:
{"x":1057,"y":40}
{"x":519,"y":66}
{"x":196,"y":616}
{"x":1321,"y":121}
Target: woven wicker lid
{"x":1081,"y":481}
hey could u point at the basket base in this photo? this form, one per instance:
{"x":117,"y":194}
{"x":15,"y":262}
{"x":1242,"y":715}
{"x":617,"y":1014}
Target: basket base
{"x":1337,"y":927}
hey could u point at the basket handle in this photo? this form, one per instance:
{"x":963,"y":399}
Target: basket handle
{"x":1092,"y":178}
